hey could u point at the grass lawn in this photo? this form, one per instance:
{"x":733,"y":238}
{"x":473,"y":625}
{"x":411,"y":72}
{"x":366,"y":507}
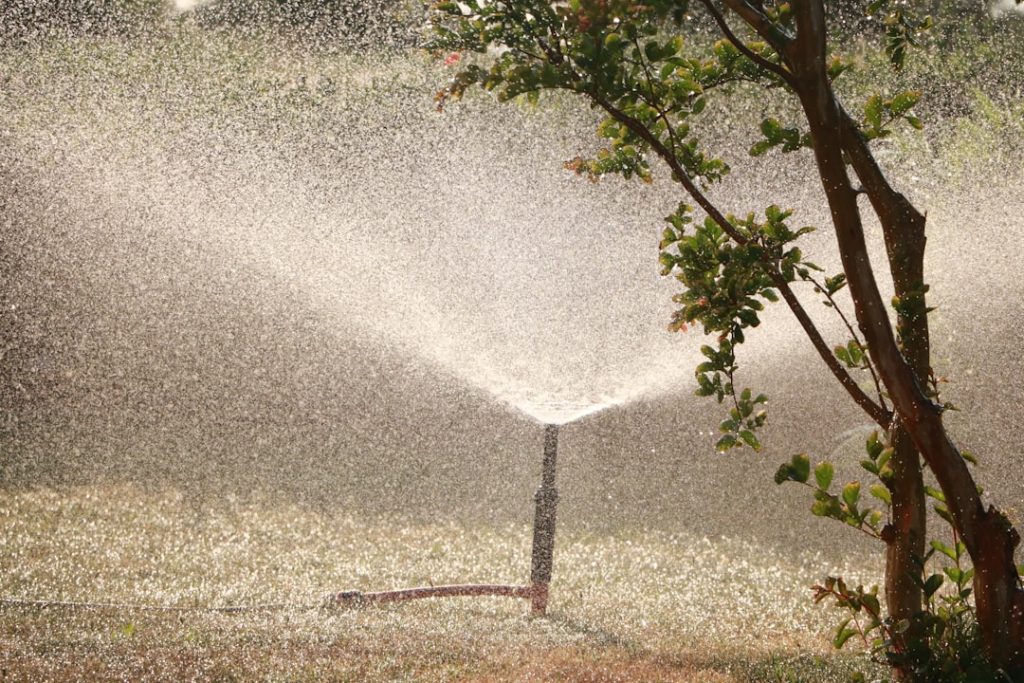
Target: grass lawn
{"x":625,"y":607}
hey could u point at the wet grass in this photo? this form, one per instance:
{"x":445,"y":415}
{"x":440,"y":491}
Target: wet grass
{"x":628,"y":606}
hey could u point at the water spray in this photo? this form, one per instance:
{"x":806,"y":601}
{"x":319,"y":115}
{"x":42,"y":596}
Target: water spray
{"x":546,"y":503}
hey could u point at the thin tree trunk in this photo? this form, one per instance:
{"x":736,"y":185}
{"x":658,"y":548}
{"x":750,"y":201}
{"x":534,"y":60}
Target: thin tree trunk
{"x":903,"y":227}
{"x":989,"y":537}
{"x":905,"y":539}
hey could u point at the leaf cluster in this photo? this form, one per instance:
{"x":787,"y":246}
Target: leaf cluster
{"x":611,"y":52}
{"x":948,"y":647}
{"x":775,"y":135}
{"x":845,"y":505}
{"x":727,"y":282}
{"x":903,"y":28}
{"x":880,"y":112}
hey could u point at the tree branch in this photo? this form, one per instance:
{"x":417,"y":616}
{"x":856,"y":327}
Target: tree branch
{"x":774,"y":68}
{"x":673,"y":163}
{"x":884,"y":199}
{"x":856,"y":338}
{"x":879,"y":414}
{"x":780,"y":41}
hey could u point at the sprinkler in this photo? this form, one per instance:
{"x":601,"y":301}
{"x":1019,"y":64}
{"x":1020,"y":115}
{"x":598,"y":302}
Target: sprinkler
{"x":546,"y":502}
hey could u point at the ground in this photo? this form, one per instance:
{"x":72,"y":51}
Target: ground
{"x":626,"y":606}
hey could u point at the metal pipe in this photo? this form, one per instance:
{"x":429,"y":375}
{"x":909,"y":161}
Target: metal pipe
{"x":546,"y":500}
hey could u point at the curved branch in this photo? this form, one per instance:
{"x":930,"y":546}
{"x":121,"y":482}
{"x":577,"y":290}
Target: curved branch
{"x":856,"y":338}
{"x":878,"y":413}
{"x":742,"y":47}
{"x":764,"y":26}
{"x":673,"y":163}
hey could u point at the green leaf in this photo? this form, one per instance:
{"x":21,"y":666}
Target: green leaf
{"x":750,"y":439}
{"x":771,"y":128}
{"x":873,"y":112}
{"x":871,"y":603}
{"x":844,"y":355}
{"x":726,"y":442}
{"x":836,"y":68}
{"x":874,"y":519}
{"x":748,"y":317}
{"x":897,"y":49}
{"x":851,"y":494}
{"x":759,"y":148}
{"x":835,"y":283}
{"x":903,"y":102}
{"x":883,"y":457}
{"x":874,"y":446}
{"x":843,"y":634}
{"x":855,"y":352}
{"x":881,"y":492}
{"x":823,"y":475}
{"x":801,"y":465}
{"x":828,"y":506}
{"x":652,"y":51}
{"x":944,"y":549}
{"x":798,"y":469}
{"x":933,"y":584}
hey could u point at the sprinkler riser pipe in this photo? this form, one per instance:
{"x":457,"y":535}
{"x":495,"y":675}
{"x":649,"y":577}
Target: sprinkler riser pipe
{"x":546,"y":505}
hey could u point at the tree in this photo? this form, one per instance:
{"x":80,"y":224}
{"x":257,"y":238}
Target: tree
{"x":628,"y":58}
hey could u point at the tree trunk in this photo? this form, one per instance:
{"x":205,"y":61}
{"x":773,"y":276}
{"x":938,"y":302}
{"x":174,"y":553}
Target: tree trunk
{"x":903,"y":227}
{"x":905,"y":539}
{"x":989,"y":537}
